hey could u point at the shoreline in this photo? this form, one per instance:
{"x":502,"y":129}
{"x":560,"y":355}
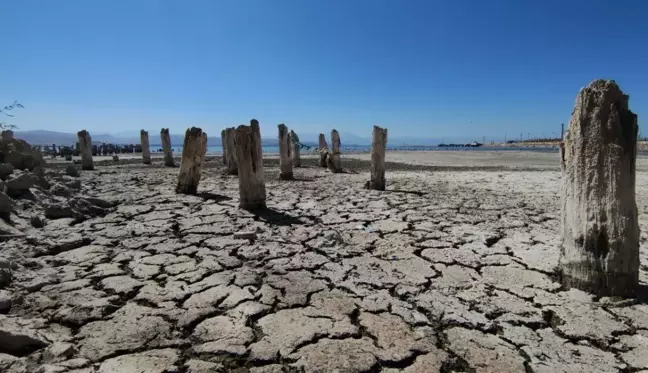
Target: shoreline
{"x":349,"y":151}
{"x":421,"y":160}
{"x":642,"y":145}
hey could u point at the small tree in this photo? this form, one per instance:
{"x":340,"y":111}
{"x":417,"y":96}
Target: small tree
{"x":7,"y":112}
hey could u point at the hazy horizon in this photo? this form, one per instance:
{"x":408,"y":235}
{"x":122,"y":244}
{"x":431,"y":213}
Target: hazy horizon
{"x":347,"y":138}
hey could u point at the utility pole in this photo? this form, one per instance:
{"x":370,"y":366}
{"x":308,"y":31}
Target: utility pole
{"x":562,"y":130}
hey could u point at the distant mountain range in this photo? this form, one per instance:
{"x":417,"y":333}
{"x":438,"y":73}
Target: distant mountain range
{"x":44,"y":137}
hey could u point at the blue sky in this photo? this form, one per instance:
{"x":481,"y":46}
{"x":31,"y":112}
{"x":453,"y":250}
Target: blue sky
{"x":421,"y":68}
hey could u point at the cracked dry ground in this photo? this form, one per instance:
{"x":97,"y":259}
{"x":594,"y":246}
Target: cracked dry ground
{"x":458,"y":278}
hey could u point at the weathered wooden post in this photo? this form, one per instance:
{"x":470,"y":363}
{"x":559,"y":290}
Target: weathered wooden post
{"x":146,"y":147}
{"x":247,"y":140}
{"x":85,"y":148}
{"x":378,"y":146}
{"x":334,"y":164}
{"x":296,"y":149}
{"x":224,"y":146}
{"x":193,"y":154}
{"x":204,"y":146}
{"x":232,"y":166}
{"x":285,"y":161}
{"x":323,"y":150}
{"x":600,"y":231}
{"x":166,"y":147}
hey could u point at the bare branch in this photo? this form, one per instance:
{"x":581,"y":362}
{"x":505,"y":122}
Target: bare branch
{"x":4,"y":111}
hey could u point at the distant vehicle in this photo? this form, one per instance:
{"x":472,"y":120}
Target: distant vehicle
{"x":473,"y":144}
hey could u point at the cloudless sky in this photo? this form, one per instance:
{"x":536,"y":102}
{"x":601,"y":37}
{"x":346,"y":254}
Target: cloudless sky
{"x":422,"y":68}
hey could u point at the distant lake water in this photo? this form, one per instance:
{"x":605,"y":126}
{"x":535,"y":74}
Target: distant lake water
{"x":214,"y":150}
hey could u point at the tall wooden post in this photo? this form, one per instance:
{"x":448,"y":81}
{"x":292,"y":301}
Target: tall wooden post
{"x":334,"y":164}
{"x":378,"y":146}
{"x":249,"y":157}
{"x":296,"y":149}
{"x":166,"y":147}
{"x":323,"y":150}
{"x":146,"y":148}
{"x":224,"y":146}
{"x":232,"y":167}
{"x":85,"y":148}
{"x":193,"y":155}
{"x":285,"y":161}
{"x":204,"y":146}
{"x":600,"y":230}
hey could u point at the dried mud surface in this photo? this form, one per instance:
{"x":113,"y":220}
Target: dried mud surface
{"x":447,"y":271}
